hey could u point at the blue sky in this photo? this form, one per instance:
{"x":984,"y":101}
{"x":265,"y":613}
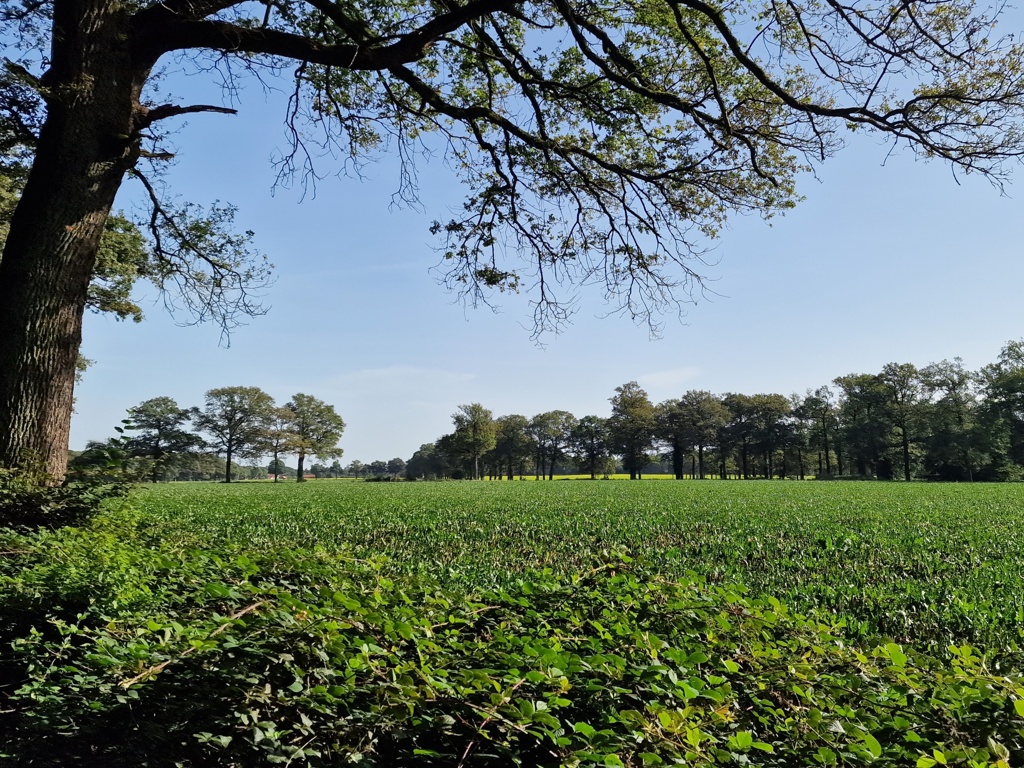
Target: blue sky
{"x":888,"y":259}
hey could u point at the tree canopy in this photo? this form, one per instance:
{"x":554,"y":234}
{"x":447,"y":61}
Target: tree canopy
{"x":599,"y":142}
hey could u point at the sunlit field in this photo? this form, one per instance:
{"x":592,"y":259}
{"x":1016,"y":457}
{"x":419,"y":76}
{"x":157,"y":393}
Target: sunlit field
{"x":571,"y":624}
{"x":924,"y":563}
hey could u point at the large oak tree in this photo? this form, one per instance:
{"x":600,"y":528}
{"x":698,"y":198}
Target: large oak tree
{"x":600,"y":142}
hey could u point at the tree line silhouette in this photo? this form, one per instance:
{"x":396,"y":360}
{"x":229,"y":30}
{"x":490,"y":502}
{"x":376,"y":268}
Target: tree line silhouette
{"x":941,"y":422}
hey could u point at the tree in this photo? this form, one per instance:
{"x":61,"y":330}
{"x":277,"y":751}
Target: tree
{"x":1003,"y":385}
{"x":598,"y":139}
{"x":277,"y":467}
{"x":474,"y":433}
{"x":705,"y":415}
{"x":953,"y":445}
{"x":377,"y":468}
{"x":589,"y":441}
{"x":428,"y":461}
{"x":316,"y":429}
{"x":238,"y":420}
{"x":738,"y":433}
{"x":772,"y":431}
{"x":162,"y":432}
{"x":513,"y":445}
{"x":672,"y":430}
{"x":122,"y":257}
{"x":280,"y":439}
{"x":819,"y":408}
{"x":864,"y":424}
{"x":632,"y":427}
{"x":396,"y":467}
{"x":902,"y":384}
{"x":551,"y":431}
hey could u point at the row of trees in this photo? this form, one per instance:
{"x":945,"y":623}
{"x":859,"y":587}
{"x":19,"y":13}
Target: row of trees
{"x":235,"y":422}
{"x":941,"y":421}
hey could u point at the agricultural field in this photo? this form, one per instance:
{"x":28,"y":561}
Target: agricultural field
{"x":478,"y":625}
{"x":927,"y":563}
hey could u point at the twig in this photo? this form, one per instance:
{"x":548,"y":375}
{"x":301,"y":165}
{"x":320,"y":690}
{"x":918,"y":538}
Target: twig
{"x":146,"y":673}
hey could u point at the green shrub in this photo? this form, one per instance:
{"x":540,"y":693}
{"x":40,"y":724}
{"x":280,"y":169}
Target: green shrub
{"x":30,"y":499}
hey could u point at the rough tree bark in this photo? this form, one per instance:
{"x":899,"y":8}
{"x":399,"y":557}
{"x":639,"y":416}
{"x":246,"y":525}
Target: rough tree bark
{"x":84,"y":150}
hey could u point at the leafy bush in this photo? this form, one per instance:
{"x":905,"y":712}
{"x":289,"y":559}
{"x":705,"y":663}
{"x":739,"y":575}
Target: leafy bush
{"x":133,"y":646}
{"x":29,"y":499}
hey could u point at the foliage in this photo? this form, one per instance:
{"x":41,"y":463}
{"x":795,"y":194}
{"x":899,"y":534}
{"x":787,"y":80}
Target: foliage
{"x":315,"y":429}
{"x":931,"y":564}
{"x":632,"y":426}
{"x":590,"y":444}
{"x":239,"y":420}
{"x":160,"y":425}
{"x":30,"y":500}
{"x":475,"y":434}
{"x":134,"y":643}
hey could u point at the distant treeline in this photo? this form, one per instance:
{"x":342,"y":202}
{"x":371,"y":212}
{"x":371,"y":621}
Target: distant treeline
{"x":156,"y":441}
{"x":940,"y":422}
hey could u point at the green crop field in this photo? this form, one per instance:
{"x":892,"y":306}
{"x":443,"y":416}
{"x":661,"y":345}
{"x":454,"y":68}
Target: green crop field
{"x":573,"y":623}
{"x":922,"y":563}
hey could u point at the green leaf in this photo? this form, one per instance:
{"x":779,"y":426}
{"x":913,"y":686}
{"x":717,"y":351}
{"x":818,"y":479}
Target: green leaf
{"x":1018,"y":704}
{"x":896,"y":655}
{"x":585,"y":728}
{"x":741,"y":740}
{"x":872,"y":744}
{"x":217,"y":590}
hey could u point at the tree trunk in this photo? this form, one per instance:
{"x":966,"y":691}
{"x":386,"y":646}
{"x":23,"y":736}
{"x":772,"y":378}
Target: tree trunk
{"x":700,"y":460}
{"x":87,"y":143}
{"x":677,"y":459}
{"x":906,"y":453}
{"x":299,"y":472}
{"x":227,"y":468}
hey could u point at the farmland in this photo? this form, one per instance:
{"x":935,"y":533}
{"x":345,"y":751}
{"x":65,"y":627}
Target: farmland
{"x":539,"y":624}
{"x":936,"y":563}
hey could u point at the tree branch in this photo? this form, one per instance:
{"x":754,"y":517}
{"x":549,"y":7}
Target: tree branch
{"x":165,"y":111}
{"x":158,"y":31}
